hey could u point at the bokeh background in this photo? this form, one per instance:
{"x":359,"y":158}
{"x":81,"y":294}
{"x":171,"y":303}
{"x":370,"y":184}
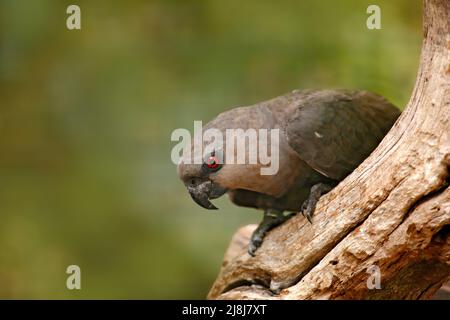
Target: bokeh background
{"x":86,"y":118}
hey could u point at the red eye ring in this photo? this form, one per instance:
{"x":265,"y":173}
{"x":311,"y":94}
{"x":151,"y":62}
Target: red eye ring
{"x":212,"y":162}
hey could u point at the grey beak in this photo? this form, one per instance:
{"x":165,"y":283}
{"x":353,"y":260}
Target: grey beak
{"x":201,"y":199}
{"x":204,"y":191}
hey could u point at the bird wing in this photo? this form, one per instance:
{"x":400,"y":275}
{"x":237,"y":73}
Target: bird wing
{"x":333,"y":131}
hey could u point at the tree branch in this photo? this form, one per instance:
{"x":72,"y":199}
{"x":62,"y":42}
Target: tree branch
{"x":392,"y":212}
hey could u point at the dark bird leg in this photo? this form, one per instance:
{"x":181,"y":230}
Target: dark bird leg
{"x":317,"y":190}
{"x":272,"y":218}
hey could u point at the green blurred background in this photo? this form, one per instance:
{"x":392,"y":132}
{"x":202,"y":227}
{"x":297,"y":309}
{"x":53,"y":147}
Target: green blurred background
{"x":86,"y":117}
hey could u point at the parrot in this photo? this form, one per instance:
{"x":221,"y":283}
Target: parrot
{"x":323,"y":136}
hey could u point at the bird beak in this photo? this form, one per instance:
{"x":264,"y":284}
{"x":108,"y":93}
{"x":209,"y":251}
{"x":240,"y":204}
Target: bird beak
{"x":205,"y":191}
{"x":202,"y":200}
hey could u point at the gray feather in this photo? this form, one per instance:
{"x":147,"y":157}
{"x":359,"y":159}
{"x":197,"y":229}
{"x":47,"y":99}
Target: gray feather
{"x":333,"y":131}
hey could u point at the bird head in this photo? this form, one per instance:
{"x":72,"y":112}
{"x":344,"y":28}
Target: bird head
{"x":200,"y":180}
{"x":213,"y":173}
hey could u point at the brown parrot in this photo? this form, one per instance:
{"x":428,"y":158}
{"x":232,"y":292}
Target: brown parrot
{"x":324,"y":135}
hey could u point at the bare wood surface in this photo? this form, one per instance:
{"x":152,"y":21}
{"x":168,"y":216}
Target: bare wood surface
{"x":392,"y":212}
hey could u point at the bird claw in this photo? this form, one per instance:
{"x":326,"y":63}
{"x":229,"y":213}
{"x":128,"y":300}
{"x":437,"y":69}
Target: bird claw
{"x":270,"y":221}
{"x":255,"y":243}
{"x":306,"y":210}
{"x":309,"y":205}
{"x":304,"y":205}
{"x":307,"y":214}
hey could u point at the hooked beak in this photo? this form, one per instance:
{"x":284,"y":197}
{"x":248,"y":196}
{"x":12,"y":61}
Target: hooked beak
{"x":205,"y":191}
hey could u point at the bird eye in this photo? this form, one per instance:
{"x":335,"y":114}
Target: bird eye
{"x":213,"y":162}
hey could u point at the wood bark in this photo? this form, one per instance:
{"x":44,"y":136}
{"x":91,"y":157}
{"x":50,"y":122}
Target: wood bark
{"x":392,"y":214}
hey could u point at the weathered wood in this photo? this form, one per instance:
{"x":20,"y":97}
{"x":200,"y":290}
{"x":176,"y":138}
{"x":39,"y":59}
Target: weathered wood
{"x":392,"y":212}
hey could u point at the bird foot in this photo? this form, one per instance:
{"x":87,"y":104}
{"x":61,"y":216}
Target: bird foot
{"x":271,"y":219}
{"x":309,"y":206}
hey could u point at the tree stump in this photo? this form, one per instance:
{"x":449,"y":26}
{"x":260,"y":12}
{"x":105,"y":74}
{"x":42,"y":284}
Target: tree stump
{"x":391,"y":215}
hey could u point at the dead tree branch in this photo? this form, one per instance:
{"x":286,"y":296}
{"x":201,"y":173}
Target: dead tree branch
{"x":392,"y":212}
